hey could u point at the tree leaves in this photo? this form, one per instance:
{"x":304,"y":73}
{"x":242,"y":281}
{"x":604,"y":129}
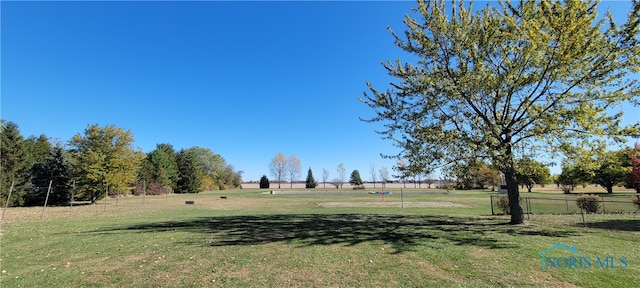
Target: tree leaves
{"x":540,"y":74}
{"x":103,"y":157}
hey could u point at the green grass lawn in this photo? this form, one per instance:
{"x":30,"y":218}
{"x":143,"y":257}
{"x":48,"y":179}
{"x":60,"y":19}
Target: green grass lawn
{"x":254,"y":239}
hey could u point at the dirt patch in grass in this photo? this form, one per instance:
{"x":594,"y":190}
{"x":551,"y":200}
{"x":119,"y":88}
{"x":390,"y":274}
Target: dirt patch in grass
{"x":394,"y":204}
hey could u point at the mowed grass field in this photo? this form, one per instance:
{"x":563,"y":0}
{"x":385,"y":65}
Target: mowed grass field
{"x":326,"y":239}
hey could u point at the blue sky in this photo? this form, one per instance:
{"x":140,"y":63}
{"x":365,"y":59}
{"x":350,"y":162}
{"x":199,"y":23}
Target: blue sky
{"x":245,"y":79}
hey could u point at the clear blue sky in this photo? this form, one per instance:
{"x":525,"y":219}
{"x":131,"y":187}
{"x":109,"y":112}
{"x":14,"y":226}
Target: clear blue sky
{"x":245,"y":79}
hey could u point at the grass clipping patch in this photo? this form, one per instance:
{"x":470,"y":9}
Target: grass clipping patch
{"x":394,"y":204}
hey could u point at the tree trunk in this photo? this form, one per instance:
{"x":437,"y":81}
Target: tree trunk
{"x":517,"y":215}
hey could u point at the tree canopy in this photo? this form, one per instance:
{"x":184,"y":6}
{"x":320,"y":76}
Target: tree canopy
{"x":537,"y":74}
{"x":278,"y":167}
{"x":530,"y":172}
{"x":293,"y":169}
{"x":614,"y":168}
{"x":103,"y":157}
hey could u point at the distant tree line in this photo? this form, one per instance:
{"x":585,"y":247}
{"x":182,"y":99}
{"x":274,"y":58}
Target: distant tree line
{"x":100,"y":162}
{"x":607,"y":169}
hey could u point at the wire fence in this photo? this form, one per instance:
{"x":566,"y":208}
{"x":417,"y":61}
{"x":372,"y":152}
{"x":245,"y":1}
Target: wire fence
{"x":609,"y":204}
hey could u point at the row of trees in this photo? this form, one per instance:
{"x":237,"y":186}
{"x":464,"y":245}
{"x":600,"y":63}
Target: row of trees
{"x":479,"y":174}
{"x":284,"y":168}
{"x":607,"y":169}
{"x":102,"y":160}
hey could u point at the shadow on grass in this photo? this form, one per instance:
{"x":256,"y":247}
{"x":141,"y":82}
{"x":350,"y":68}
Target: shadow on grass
{"x":632,"y":225}
{"x":402,"y":232}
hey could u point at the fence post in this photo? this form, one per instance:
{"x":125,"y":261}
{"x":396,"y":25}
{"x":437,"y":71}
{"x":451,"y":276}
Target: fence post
{"x":603,"y":211}
{"x":6,"y":205}
{"x":566,"y":198}
{"x":73,"y":192}
{"x":46,"y":199}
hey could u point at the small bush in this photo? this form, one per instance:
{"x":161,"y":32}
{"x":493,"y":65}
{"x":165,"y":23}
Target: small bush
{"x":589,"y":203}
{"x":503,"y":204}
{"x":358,"y":187}
{"x":636,"y":201}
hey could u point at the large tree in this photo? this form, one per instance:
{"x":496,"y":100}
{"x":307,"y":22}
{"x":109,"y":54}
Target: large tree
{"x":373,"y":173}
{"x":613,"y":168}
{"x":160,"y":167}
{"x":487,"y":176}
{"x":534,"y":73}
{"x":293,"y":169}
{"x":402,"y":170}
{"x":574,"y":174}
{"x":384,"y":175}
{"x":342,"y":172}
{"x":530,"y":172}
{"x":278,"y":167}
{"x":54,"y":169}
{"x":103,"y":158}
{"x":216,"y":174}
{"x":189,"y":178}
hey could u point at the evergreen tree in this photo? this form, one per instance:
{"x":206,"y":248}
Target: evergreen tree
{"x":37,"y":149}
{"x":190,"y":179}
{"x":55,"y":168}
{"x":311,"y":182}
{"x":356,"y":180}
{"x":264,"y":182}
{"x":13,"y":164}
{"x":160,"y":167}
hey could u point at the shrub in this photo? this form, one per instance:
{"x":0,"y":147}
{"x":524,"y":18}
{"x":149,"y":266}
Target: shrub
{"x":589,"y":203}
{"x":154,"y":188}
{"x":636,"y":200}
{"x":359,"y":187}
{"x":264,"y":182}
{"x":503,"y":204}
